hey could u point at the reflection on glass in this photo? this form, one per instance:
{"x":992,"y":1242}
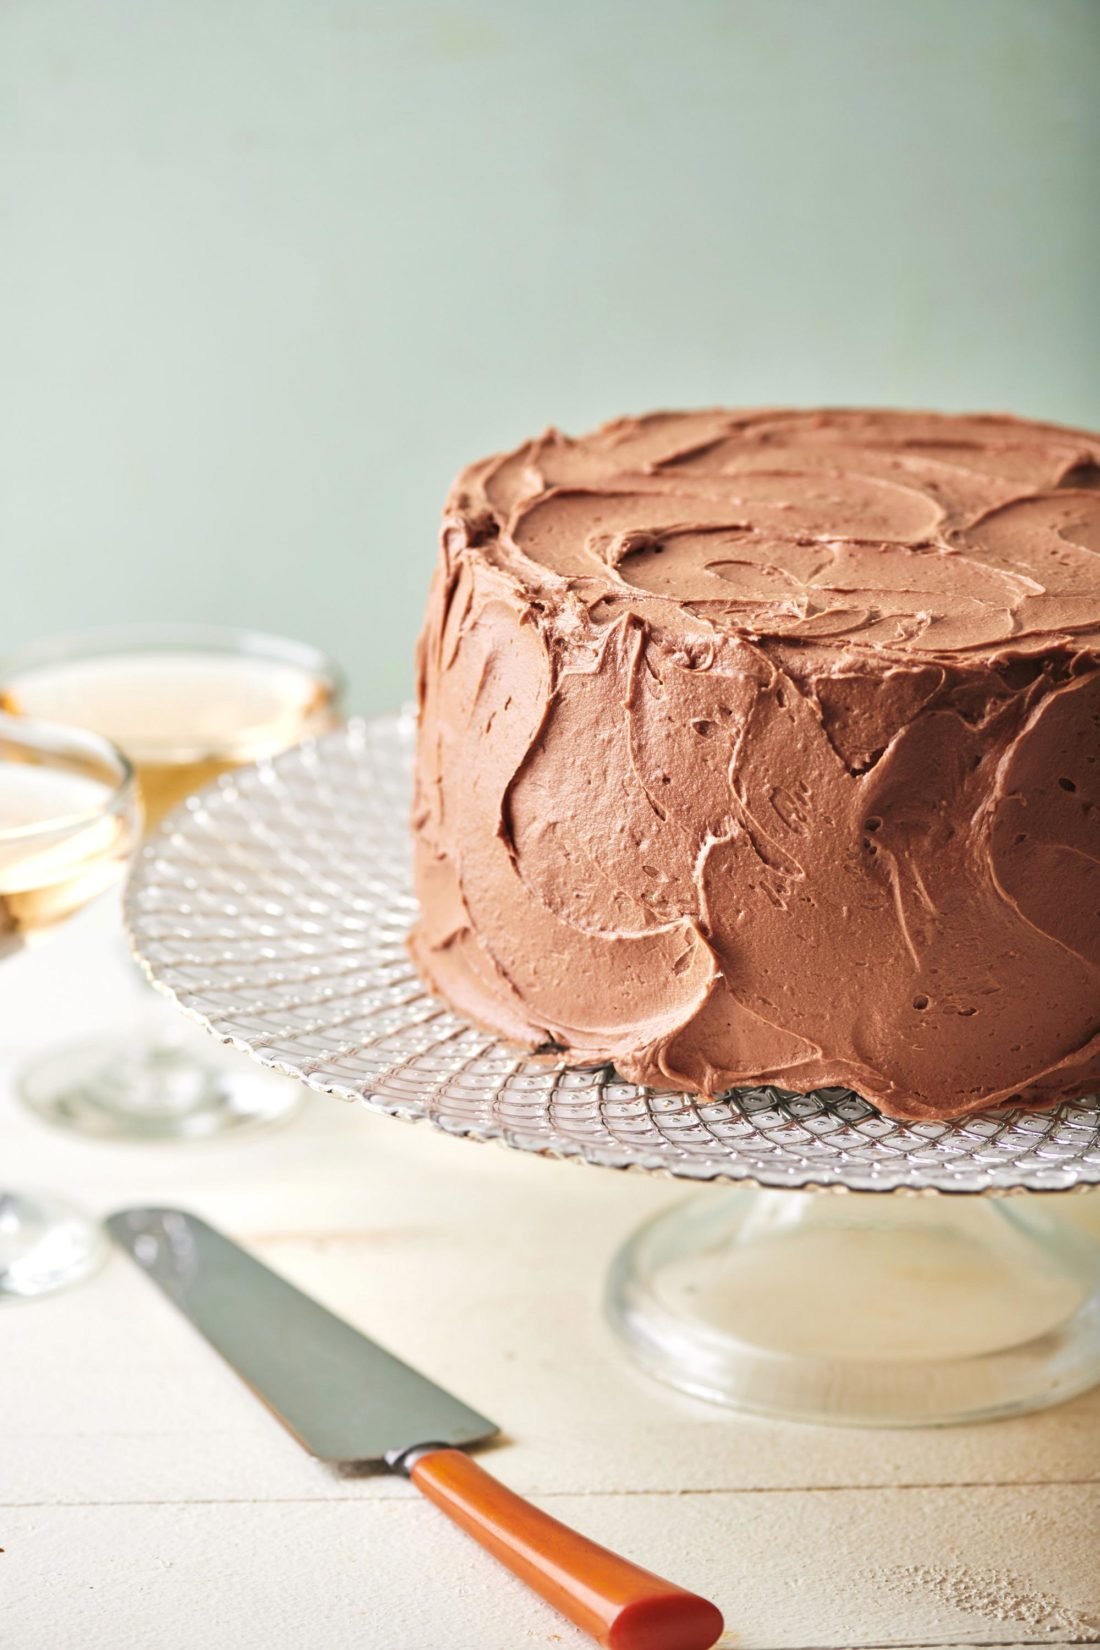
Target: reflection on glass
{"x":69,"y":817}
{"x":61,"y":840}
{"x":187,"y":704}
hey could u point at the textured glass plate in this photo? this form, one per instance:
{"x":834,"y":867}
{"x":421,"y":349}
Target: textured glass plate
{"x":273,"y":908}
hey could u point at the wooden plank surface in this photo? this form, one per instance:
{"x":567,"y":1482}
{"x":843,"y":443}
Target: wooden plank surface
{"x":797,"y":1568}
{"x":147,"y":1500}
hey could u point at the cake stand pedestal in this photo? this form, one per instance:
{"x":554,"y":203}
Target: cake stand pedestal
{"x":273,"y":908}
{"x":868,"y":1311}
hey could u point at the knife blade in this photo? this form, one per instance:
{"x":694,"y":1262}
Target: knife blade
{"x":349,"y":1401}
{"x":345,"y":1399}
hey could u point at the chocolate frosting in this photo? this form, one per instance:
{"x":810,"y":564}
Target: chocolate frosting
{"x":763,"y":747}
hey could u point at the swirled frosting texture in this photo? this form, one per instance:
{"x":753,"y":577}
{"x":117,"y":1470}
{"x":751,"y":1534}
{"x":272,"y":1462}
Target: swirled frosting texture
{"x":766,"y":747}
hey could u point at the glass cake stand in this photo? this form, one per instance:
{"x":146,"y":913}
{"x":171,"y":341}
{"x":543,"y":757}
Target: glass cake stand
{"x":273,"y":908}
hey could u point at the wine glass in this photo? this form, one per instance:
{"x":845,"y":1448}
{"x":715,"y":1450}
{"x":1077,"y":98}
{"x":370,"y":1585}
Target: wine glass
{"x":69,"y":819}
{"x":187,"y":703}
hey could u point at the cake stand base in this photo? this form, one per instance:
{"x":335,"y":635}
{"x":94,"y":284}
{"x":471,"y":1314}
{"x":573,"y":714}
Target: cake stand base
{"x":163,"y":1086}
{"x":862,"y":1310}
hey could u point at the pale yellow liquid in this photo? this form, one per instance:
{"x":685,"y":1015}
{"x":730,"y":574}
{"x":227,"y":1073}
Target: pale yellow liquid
{"x":183,"y":718}
{"x":60,"y":846}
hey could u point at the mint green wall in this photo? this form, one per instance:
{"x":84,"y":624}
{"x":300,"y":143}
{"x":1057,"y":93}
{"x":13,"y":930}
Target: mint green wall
{"x":270,"y":270}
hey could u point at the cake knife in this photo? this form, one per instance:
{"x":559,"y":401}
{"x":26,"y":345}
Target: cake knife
{"x":348,"y":1401}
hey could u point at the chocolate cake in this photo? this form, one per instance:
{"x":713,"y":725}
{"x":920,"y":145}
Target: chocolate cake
{"x":764,"y":747}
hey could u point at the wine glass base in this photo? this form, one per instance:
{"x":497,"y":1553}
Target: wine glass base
{"x":45,"y":1245}
{"x":862,"y":1310}
{"x":111,"y":1091}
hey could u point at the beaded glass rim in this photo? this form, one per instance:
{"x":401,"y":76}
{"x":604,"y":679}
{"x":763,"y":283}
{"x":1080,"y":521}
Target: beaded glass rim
{"x":273,"y":909}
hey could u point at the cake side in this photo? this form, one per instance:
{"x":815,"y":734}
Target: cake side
{"x":763,"y":748}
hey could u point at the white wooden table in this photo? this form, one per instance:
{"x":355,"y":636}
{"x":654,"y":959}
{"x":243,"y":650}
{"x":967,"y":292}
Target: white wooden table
{"x":149,"y":1501}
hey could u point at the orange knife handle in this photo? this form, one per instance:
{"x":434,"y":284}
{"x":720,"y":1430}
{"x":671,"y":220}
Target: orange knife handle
{"x":622,"y":1606}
